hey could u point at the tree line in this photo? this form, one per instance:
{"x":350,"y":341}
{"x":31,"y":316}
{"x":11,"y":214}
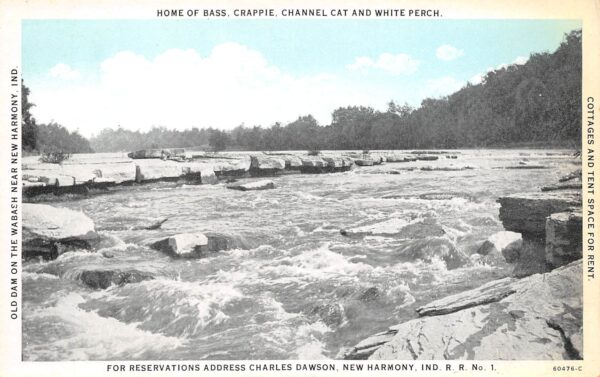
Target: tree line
{"x":534,"y":104}
{"x":47,"y":138}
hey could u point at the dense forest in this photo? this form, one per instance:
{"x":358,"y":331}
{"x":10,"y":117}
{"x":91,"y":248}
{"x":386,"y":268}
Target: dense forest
{"x":534,"y":104}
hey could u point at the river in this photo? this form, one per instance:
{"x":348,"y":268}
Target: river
{"x":296,"y":288}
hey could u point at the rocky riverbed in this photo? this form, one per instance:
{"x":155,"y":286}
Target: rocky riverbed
{"x":452,"y":253}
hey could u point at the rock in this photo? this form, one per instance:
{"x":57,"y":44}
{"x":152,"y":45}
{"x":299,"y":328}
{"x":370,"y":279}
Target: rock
{"x":446,"y":168}
{"x":512,"y":251}
{"x":29,"y":184}
{"x":428,"y":249}
{"x":572,"y":175}
{"x":192,"y":245}
{"x":102,"y":279}
{"x":398,"y":228}
{"x":264,"y":184}
{"x":364,"y":162}
{"x":57,"y":224}
{"x":334,"y":163}
{"x":366,"y":347}
{"x":563,"y":238}
{"x":266,"y":165}
{"x":370,"y":294}
{"x":208,"y":177}
{"x":54,"y":178}
{"x":388,"y":227}
{"x":526,"y":166}
{"x":157,"y":224}
{"x":535,"y":318}
{"x":312,"y":164}
{"x":526,"y":213}
{"x":422,"y":229}
{"x":573,"y":184}
{"x":236,"y":168}
{"x":146,"y":153}
{"x":500,"y":241}
{"x":117,"y":172}
{"x":332,"y":314}
{"x":427,"y":158}
{"x":152,"y":170}
{"x":491,"y":292}
{"x":292,"y":162}
{"x":50,"y":231}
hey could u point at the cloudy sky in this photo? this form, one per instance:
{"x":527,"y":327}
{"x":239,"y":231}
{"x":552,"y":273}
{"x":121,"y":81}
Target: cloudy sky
{"x":90,"y":75}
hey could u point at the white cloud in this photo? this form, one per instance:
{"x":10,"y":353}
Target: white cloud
{"x":478,"y":78}
{"x":64,"y":71}
{"x":448,"y":52}
{"x":442,"y":86}
{"x":181,"y":89}
{"x":396,"y":64}
{"x":520,"y":60}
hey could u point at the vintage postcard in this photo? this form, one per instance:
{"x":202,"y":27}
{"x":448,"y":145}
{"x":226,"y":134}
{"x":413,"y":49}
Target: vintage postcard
{"x":273,"y":188}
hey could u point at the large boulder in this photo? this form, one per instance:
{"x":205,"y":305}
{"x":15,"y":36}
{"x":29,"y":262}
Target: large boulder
{"x":53,"y":223}
{"x":535,"y":318}
{"x":563,"y":238}
{"x":49,"y":231}
{"x":527,"y":213}
{"x":264,"y":184}
{"x":193,"y":245}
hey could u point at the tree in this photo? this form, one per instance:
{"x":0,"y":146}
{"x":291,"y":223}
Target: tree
{"x":218,"y":140}
{"x":29,"y":127}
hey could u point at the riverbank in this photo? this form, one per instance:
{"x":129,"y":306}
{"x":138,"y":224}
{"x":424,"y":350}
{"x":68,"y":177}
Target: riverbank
{"x":535,"y":315}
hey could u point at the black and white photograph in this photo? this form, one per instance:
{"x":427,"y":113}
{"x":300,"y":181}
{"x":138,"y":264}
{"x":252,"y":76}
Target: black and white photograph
{"x":301,"y":189}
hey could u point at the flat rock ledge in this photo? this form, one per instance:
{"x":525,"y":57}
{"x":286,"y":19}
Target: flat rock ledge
{"x":550,"y":225}
{"x":535,"y":318}
{"x":49,"y":231}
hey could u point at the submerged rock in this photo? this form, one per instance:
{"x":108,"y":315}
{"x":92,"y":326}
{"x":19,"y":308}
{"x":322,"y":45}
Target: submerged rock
{"x":332,"y":314}
{"x":535,"y":318}
{"x":264,"y":184}
{"x":500,"y":241}
{"x":104,"y":278}
{"x":573,"y":184}
{"x":429,"y":249}
{"x":398,"y":228}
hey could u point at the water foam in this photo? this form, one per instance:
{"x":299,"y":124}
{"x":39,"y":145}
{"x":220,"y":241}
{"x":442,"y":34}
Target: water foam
{"x":90,"y":336}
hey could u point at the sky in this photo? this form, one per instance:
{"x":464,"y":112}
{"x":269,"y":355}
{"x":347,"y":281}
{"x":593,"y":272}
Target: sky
{"x":88,"y":75}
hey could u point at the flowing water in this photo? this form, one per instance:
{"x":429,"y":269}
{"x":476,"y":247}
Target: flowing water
{"x":295,"y":288}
